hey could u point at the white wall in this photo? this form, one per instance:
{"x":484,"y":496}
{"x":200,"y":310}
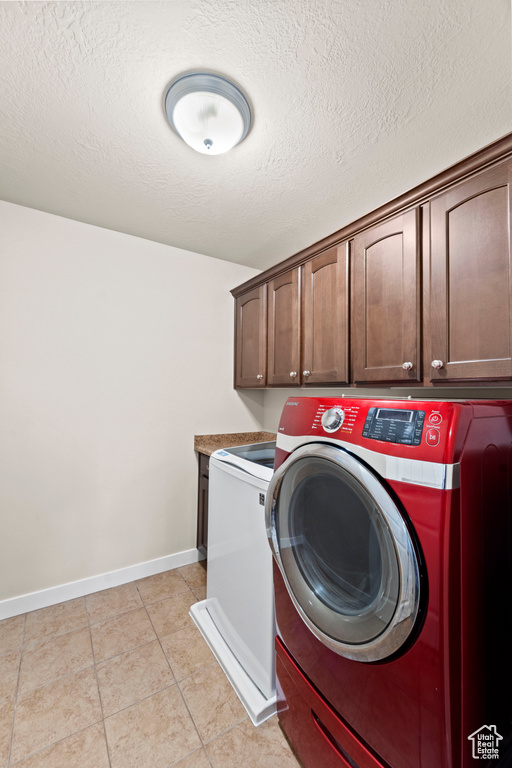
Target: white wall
{"x":115,"y":351}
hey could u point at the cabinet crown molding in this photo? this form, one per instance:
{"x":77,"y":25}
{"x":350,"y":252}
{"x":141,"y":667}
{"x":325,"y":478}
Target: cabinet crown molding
{"x":493,"y":153}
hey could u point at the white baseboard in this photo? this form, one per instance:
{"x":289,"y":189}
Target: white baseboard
{"x":15,"y":606}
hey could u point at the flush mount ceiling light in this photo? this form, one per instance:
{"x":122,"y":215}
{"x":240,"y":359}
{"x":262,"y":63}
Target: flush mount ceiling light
{"x":209,"y":113}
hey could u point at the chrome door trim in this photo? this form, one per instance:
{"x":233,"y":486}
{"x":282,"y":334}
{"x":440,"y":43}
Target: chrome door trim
{"x":415,"y":471}
{"x":406,"y":612}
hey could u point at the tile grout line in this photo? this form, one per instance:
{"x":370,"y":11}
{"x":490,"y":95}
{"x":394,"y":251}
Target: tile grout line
{"x":31,"y":646}
{"x":231,"y":727}
{"x":16,"y":693}
{"x":199,"y":749}
{"x":227,"y":730}
{"x":104,"y":620}
{"x":49,"y":638}
{"x":28,"y":647}
{"x":134,"y":703}
{"x":90,"y":624}
{"x":188,"y":676}
{"x":94,"y":667}
{"x":169,"y":597}
{"x":53,"y":744}
{"x":62,"y":677}
{"x":98,"y":685}
{"x":174,"y":676}
{"x":136,"y":647}
{"x":56,"y":680}
{"x":208,"y":666}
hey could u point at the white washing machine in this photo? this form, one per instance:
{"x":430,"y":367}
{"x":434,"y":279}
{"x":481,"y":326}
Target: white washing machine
{"x":237,"y":617}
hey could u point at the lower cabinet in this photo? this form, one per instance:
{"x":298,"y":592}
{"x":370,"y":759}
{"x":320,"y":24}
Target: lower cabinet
{"x":202,"y":504}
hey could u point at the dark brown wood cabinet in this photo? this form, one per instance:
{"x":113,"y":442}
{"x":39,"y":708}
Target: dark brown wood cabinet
{"x":386,"y":301}
{"x":202,"y":504}
{"x":470,"y":296}
{"x":429,"y":296}
{"x":283,"y":329}
{"x":325,"y":317}
{"x":251,"y":338}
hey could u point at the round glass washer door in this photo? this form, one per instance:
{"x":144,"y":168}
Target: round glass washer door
{"x":344,"y":551}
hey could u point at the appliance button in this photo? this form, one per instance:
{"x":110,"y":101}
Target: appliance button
{"x":432,"y":437}
{"x":435,"y":418}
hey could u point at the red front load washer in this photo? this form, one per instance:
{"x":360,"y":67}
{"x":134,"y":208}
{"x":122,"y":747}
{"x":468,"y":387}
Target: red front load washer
{"x":389,"y":521}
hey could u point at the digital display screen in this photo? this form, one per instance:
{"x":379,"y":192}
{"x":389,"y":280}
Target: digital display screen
{"x":394,"y":425}
{"x":392,"y":415}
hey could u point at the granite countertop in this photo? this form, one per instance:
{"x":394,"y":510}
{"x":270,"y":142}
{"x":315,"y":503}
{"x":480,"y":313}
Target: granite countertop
{"x":207,"y":444}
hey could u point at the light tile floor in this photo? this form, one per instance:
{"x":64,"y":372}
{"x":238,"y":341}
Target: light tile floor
{"x":123,"y":679}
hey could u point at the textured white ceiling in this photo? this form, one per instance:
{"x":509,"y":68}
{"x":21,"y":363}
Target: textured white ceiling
{"x":354,"y":101}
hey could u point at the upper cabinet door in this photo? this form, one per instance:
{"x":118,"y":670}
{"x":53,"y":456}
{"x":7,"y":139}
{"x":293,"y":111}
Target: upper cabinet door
{"x":325,"y":306}
{"x":251,"y":338}
{"x":386,"y":301}
{"x":284,"y":330}
{"x":470,"y":280}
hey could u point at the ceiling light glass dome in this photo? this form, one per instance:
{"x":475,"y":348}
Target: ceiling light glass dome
{"x":209,"y":113}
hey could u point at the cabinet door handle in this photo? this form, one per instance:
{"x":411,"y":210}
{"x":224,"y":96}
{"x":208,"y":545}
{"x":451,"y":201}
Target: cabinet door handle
{"x":259,"y":376}
{"x":293,"y":374}
{"x":437,"y":364}
{"x":407,"y":366}
{"x":306,"y":373}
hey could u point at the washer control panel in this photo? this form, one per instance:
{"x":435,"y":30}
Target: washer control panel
{"x":394,"y":425}
{"x":332,"y":419}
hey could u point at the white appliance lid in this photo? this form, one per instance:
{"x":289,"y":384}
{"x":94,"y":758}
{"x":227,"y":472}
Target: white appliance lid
{"x":256,"y":459}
